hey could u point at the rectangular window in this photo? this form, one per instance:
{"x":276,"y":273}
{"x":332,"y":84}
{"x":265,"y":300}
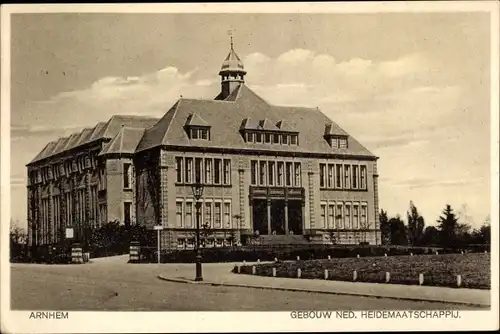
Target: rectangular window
{"x":208,"y":171}
{"x":227,"y":215}
{"x":262,"y":172}
{"x":190,"y":243}
{"x":347,"y":216}
{"x":322,"y":175}
{"x":217,"y":171}
{"x":289,"y":173}
{"x":267,"y":137}
{"x":181,"y":243}
{"x":178,"y":169}
{"x":363,"y":216}
{"x":272,"y":171}
{"x":338,"y":176}
{"x":335,"y":142}
{"x":258,"y":137}
{"x":323,"y":216}
{"x":227,"y":171}
{"x":343,"y":143}
{"x":219,"y":243}
{"x":294,"y":140}
{"x":207,"y":219}
{"x":198,"y":170}
{"x":355,"y":175}
{"x":338,"y":216}
{"x":188,"y":177}
{"x":178,"y":213}
{"x":249,"y":137}
{"x":284,"y":139}
{"x":127,"y":175}
{"x":331,"y":216}
{"x":205,"y":134}
{"x":194,"y":133}
{"x":218,"y":213}
{"x":279,"y":179}
{"x":297,"y":180}
{"x":347,"y":176}
{"x":276,"y":139}
{"x":127,"y":210}
{"x":331,"y":169}
{"x":363,"y":177}
{"x":355,"y":216}
{"x":188,"y":220}
{"x":254,"y":171}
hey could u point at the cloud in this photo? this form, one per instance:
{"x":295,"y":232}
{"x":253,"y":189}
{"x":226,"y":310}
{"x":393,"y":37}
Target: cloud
{"x":433,"y":183}
{"x":431,"y":133}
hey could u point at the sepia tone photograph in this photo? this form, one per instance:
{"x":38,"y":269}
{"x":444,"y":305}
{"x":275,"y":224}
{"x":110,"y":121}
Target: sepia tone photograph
{"x":324,"y":165}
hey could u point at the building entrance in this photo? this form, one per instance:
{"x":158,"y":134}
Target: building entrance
{"x":277,"y":210}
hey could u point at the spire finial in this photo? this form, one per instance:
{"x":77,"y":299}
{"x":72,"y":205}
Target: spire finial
{"x":230,"y":33}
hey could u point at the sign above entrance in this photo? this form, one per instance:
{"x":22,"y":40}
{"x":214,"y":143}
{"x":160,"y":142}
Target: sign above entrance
{"x":277,"y":193}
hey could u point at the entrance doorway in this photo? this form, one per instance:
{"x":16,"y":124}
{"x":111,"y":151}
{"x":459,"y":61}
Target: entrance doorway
{"x":259,"y":211}
{"x":278,"y":216}
{"x":295,"y":216}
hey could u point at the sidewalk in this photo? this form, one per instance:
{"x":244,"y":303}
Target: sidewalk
{"x":221,"y":275}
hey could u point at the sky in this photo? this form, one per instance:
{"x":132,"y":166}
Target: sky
{"x":414,"y":88}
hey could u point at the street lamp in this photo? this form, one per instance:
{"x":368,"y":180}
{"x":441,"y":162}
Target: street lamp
{"x":197,"y":193}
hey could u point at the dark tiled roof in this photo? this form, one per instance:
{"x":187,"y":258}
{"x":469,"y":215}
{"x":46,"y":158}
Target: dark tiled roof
{"x":284,"y":126}
{"x":102,"y":130}
{"x":85,"y":135}
{"x":225,"y":118}
{"x":334,"y":130}
{"x":124,"y":142}
{"x":44,"y":152}
{"x":196,"y":120}
{"x":115,"y":123}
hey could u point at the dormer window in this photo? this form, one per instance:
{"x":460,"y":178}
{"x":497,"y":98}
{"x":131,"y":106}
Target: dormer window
{"x":335,"y":136}
{"x":266,"y":132}
{"x":197,"y":128}
{"x":199,"y":133}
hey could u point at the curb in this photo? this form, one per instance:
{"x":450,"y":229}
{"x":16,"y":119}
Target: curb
{"x":186,"y":281}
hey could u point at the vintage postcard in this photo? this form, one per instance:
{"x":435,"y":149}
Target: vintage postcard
{"x":250,"y":167}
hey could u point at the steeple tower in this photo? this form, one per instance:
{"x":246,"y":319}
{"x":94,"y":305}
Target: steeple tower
{"x":232,"y":73}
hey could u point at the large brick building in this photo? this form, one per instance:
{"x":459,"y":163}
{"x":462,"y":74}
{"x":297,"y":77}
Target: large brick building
{"x":280,"y":173}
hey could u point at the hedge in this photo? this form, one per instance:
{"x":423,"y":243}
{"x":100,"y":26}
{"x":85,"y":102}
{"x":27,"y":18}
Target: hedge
{"x":288,"y":252}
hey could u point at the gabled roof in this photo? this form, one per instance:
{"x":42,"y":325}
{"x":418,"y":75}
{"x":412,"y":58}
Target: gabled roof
{"x":284,"y":126}
{"x":332,"y":129}
{"x":226,"y":118}
{"x":125,"y":142}
{"x":102,"y":130}
{"x":44,"y":152}
{"x":266,"y":124}
{"x":196,"y":120}
{"x":84,"y":137}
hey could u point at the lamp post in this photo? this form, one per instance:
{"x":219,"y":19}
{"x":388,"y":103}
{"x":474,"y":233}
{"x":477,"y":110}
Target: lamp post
{"x":197,"y":193}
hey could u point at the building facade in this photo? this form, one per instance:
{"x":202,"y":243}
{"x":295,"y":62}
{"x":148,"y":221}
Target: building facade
{"x":269,"y":173}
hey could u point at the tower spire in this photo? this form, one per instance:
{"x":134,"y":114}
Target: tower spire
{"x":232,"y":71}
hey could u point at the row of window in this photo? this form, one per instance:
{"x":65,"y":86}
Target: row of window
{"x":199,"y":133}
{"x":215,"y":214}
{"x":344,"y":215}
{"x":275,"y":173}
{"x":203,"y":170}
{"x":342,"y":176}
{"x":271,"y":138}
{"x":64,"y":168}
{"x":337,"y":142}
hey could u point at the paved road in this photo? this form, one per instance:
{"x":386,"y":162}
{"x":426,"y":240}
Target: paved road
{"x":112,"y":284}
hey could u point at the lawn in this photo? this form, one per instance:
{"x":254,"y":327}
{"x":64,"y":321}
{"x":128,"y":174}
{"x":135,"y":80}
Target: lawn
{"x":438,"y":270}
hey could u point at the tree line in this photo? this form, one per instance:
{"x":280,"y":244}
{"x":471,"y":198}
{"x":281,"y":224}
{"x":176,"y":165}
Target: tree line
{"x":449,"y":232}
